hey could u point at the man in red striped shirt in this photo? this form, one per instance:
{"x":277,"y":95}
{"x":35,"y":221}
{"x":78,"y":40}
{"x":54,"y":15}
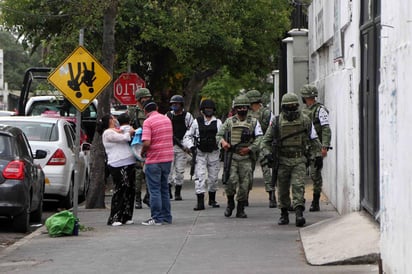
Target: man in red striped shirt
{"x":157,"y":140}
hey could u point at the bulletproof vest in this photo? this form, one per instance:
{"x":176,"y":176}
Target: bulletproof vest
{"x":207,"y":135}
{"x":179,"y":124}
{"x":242,"y":132}
{"x":296,"y":142}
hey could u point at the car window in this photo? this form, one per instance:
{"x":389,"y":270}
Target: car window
{"x":90,"y":112}
{"x":41,"y":107}
{"x":61,"y":108}
{"x":70,"y":135}
{"x":23,"y":146}
{"x":36,"y":131}
{"x":5,"y":146}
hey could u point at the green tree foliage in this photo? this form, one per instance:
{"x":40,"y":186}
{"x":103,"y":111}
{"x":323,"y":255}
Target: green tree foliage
{"x":179,"y":45}
{"x":16,"y":60}
{"x":175,"y":45}
{"x":224,"y":87}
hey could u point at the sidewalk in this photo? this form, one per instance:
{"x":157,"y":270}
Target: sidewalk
{"x":197,"y":242}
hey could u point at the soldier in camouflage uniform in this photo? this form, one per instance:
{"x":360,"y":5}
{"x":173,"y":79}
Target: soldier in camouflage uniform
{"x":319,"y":115}
{"x":264,"y":116}
{"x":245,"y":133}
{"x":142,"y":95}
{"x":296,"y":140}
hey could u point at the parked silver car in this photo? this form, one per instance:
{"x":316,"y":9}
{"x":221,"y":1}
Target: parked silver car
{"x":56,"y":136}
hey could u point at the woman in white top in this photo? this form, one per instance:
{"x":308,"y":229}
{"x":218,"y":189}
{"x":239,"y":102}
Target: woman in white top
{"x":121,"y":163}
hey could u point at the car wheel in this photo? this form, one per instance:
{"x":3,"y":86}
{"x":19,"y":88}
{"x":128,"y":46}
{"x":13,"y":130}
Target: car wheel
{"x":67,"y":201}
{"x":36,"y":215}
{"x":21,"y":223}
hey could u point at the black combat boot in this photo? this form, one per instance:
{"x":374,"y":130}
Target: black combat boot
{"x":212,"y":199}
{"x":300,"y":220}
{"x":315,"y":203}
{"x":170,"y":191}
{"x":138,"y":204}
{"x":200,"y":202}
{"x":230,"y":205}
{"x":240,"y":211}
{"x":272,"y":199}
{"x":178,"y":197}
{"x":284,"y":217}
{"x":146,"y":199}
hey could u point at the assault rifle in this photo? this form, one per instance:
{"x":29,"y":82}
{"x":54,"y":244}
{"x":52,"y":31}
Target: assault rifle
{"x":275,"y":153}
{"x":193,"y":161}
{"x":227,"y":160}
{"x":179,"y":144}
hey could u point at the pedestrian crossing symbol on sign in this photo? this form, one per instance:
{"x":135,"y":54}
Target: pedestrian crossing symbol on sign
{"x":80,"y":78}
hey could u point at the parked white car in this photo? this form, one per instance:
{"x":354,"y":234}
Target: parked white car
{"x":57,"y":106}
{"x":56,"y":136}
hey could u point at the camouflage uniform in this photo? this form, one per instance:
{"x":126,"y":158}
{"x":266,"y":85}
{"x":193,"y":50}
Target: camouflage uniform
{"x":319,"y":116}
{"x":245,"y":132}
{"x":298,"y":139}
{"x":264,"y":116}
{"x":137,"y":122}
{"x":140,"y":176}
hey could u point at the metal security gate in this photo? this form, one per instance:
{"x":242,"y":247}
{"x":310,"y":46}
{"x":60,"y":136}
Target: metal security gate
{"x":369,"y":105}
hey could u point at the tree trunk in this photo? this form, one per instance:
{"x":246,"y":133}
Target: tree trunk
{"x":193,"y":88}
{"x":96,"y":193}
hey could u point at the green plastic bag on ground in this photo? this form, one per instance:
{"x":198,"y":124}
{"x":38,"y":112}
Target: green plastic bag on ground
{"x":61,"y":223}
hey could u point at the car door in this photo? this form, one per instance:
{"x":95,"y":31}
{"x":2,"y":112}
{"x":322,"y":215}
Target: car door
{"x":24,"y":151}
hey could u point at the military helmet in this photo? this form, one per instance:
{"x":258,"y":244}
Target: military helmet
{"x":177,"y":99}
{"x":290,"y":99}
{"x":142,"y":92}
{"x":254,"y":96}
{"x":207,"y":103}
{"x":308,"y":91}
{"x":241,"y":100}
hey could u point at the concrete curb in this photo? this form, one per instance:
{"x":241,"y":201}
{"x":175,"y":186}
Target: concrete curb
{"x":349,"y":239}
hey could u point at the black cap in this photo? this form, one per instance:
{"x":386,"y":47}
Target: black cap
{"x":149,"y":105}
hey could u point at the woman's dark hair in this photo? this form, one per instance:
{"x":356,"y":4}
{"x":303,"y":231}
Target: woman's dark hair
{"x":124,"y":119}
{"x":103,"y":123}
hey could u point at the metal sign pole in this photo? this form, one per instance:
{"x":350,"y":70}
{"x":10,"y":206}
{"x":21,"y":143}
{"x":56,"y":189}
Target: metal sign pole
{"x":95,"y":78}
{"x":77,"y":148}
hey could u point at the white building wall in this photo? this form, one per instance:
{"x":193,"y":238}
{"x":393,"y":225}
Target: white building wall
{"x":338,"y":82}
{"x":395,"y":112}
{"x":1,"y":70}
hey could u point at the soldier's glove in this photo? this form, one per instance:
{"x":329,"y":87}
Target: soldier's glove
{"x":267,"y":160}
{"x":318,"y":163}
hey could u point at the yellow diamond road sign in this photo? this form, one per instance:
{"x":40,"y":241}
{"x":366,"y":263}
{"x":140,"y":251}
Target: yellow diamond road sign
{"x":80,"y":78}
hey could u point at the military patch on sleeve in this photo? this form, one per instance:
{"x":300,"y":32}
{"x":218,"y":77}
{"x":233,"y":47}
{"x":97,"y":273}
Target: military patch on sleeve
{"x":323,"y":116}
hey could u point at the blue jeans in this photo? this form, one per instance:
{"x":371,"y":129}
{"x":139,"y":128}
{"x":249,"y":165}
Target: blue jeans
{"x":157,"y":182}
